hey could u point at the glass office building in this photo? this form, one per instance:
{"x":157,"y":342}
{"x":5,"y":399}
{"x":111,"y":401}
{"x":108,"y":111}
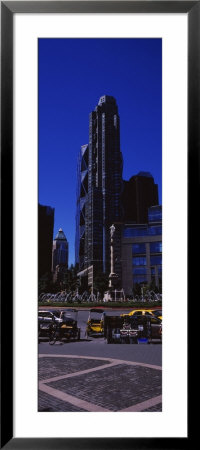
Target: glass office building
{"x":81,"y":205}
{"x":142,"y":252}
{"x":60,"y":251}
{"x":99,"y":205}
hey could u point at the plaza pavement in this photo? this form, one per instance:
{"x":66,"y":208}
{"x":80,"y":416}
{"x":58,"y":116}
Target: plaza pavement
{"x":70,"y":382}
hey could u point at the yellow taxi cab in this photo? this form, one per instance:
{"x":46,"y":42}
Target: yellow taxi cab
{"x":145,"y":312}
{"x":140,"y":312}
{"x":157,"y":313}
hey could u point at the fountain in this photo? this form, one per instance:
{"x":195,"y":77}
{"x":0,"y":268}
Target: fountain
{"x":75,"y":297}
{"x":69,"y":297}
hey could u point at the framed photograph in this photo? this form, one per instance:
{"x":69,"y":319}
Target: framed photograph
{"x":102,"y":69}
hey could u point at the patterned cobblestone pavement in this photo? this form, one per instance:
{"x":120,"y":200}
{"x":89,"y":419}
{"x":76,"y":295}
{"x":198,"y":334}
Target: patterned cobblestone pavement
{"x":157,"y":408}
{"x":114,"y":388}
{"x":86,"y":384}
{"x":47,"y":403}
{"x":48,"y":367}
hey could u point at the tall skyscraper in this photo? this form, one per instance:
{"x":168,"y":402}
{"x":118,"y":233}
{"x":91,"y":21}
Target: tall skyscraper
{"x":45,"y":238}
{"x":102,"y":196}
{"x":81,"y":205}
{"x":59,"y":256}
{"x":139,"y":194}
{"x":60,"y":250}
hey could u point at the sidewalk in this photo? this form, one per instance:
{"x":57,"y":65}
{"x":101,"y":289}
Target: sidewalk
{"x":74,"y":383}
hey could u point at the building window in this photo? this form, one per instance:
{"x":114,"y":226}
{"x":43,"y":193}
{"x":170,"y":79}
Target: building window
{"x":155,"y":231}
{"x":139,"y":261}
{"x":139,"y":248}
{"x":155,"y":214}
{"x":156,"y":260}
{"x":131,"y":232}
{"x":156,"y":247}
{"x":142,"y":231}
{"x":139,"y":271}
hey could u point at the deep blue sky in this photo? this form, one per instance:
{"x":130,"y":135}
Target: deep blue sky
{"x":73,"y":75}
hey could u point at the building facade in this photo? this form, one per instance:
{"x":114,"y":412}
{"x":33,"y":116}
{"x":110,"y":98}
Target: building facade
{"x":99,"y":199}
{"x":81,"y":205}
{"x":142,"y":252}
{"x":45,"y":239}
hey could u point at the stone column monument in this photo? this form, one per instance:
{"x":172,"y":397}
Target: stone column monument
{"x":113,"y":277}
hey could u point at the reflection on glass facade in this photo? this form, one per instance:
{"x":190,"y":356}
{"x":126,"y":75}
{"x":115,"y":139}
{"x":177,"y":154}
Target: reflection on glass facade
{"x":156,"y":247}
{"x":155,"y":214}
{"x":139,"y":248}
{"x":139,"y":261}
{"x":156,"y":260}
{"x":139,"y":271}
{"x":155,"y":230}
{"x":146,"y":245}
{"x":135,"y":231}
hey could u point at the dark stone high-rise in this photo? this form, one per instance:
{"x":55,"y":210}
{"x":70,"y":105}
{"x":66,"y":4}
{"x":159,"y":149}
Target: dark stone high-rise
{"x":45,"y":238}
{"x":103,"y":203}
{"x":139,"y":194}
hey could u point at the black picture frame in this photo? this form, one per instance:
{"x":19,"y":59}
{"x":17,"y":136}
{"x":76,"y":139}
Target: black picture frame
{"x":8,"y":9}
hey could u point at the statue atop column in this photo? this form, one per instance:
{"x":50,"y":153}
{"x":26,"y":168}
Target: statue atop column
{"x":112,"y":230}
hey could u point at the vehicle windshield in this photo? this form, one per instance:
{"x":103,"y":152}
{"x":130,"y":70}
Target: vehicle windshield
{"x":72,"y":315}
{"x":56,"y":313}
{"x":155,"y":320}
{"x":68,"y":319}
{"x":95,"y":316}
{"x":157,"y":313}
{"x":44,"y":314}
{"x":96,"y":320}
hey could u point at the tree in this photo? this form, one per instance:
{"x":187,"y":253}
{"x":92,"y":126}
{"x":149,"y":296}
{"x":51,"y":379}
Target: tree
{"x":137,"y":289}
{"x":44,"y":283}
{"x":100,"y":283}
{"x":70,"y":281}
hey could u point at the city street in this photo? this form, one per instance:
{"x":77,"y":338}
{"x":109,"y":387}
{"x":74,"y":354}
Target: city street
{"x":90,"y":375}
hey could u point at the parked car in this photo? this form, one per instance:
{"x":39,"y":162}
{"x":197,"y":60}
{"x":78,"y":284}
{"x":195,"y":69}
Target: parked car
{"x":45,"y":319}
{"x":139,"y":312}
{"x":156,"y":329}
{"x":48,"y":316}
{"x":157,"y":313}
